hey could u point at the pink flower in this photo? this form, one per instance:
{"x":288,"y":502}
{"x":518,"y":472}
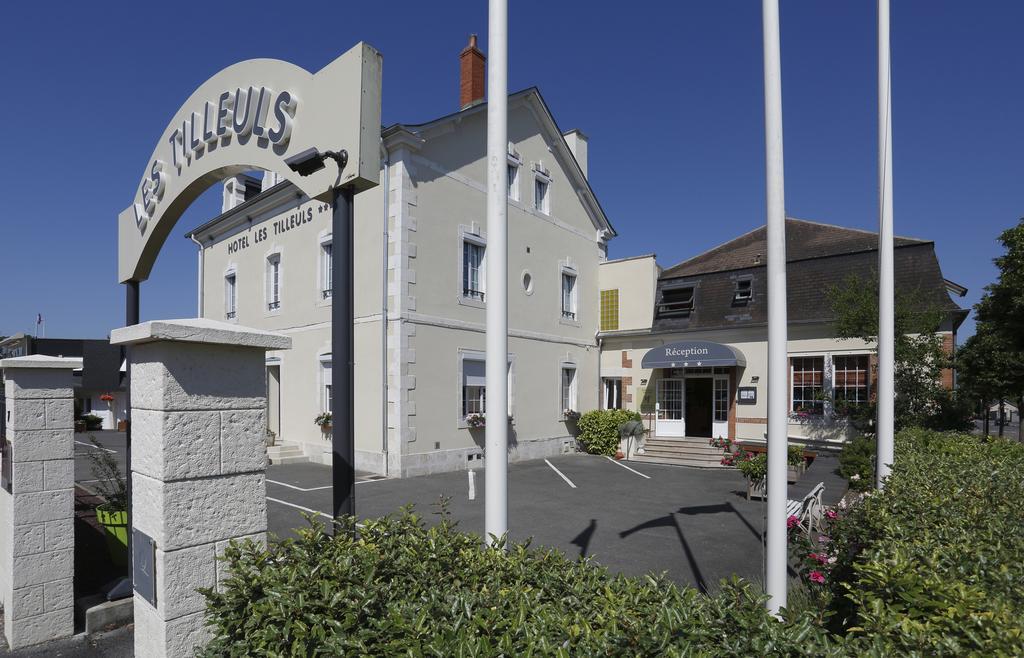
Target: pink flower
{"x":831,"y":513}
{"x":817,"y":577}
{"x":792,"y":522}
{"x":820,"y":558}
{"x":823,"y":539}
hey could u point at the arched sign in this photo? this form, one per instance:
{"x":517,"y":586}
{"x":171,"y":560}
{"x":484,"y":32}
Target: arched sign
{"x":254,"y":115}
{"x":692,"y":354}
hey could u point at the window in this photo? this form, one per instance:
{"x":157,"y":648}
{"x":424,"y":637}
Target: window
{"x":472,"y":270}
{"x":850,"y":382}
{"x":568,"y":295}
{"x":87,"y":405}
{"x":721,"y":400}
{"x":612,"y":397}
{"x":514,"y":162}
{"x":274,"y":282}
{"x":610,"y":312}
{"x":807,"y":376}
{"x":326,"y":382}
{"x":230,"y":296}
{"x":675,"y":302}
{"x":568,"y":388}
{"x":326,"y":269}
{"x":744,"y":292}
{"x":540,"y":194}
{"x":513,"y":180}
{"x":474,"y":387}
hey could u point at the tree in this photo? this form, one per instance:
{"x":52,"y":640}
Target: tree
{"x":993,"y":359}
{"x":921,"y":399}
{"x":1002,"y":305}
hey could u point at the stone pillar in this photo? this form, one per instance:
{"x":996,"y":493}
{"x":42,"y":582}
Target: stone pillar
{"x":37,"y":536}
{"x":198,"y":390}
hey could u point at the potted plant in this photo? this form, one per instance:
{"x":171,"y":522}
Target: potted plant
{"x":475,"y":420}
{"x":570,"y":415}
{"x":755,"y":470}
{"x":271,"y":437}
{"x":324,"y":421}
{"x":112,"y":513}
{"x":92,"y":422}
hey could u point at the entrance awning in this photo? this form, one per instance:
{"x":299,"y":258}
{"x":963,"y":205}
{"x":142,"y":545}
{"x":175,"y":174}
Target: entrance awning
{"x":693,"y":354}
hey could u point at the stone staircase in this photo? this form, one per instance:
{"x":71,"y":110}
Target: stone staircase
{"x":681,"y":452}
{"x":286,"y":453}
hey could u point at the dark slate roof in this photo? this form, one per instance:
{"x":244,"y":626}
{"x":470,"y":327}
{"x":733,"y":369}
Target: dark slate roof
{"x":804,"y":240}
{"x":819,"y":257}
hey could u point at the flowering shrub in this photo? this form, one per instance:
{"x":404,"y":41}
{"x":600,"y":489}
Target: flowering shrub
{"x":107,"y":397}
{"x":475,"y":420}
{"x":723,"y":442}
{"x":323,"y":419}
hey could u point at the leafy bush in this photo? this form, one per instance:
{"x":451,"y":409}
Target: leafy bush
{"x":857,"y":462}
{"x":934,"y":564}
{"x":599,"y":429}
{"x":92,"y":423}
{"x":402,"y":588}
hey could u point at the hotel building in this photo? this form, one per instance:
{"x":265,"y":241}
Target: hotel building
{"x":421,"y":289}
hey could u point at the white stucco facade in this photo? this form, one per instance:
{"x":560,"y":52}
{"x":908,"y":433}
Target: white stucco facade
{"x":419,"y":318}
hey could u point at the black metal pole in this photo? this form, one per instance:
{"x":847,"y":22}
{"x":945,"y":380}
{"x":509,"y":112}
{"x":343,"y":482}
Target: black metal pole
{"x":131,"y":317}
{"x":343,"y":355}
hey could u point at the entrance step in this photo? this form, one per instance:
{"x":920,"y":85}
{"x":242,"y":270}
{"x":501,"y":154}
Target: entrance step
{"x":286,"y":453}
{"x":684,"y":451}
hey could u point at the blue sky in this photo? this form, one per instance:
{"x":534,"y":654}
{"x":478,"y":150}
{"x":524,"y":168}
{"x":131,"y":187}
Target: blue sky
{"x":669,"y":93}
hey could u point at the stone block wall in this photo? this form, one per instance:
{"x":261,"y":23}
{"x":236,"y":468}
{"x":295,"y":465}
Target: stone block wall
{"x":37,"y":514}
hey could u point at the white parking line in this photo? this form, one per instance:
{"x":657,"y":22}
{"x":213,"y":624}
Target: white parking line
{"x":567,"y":480}
{"x":292,"y":486}
{"x":297,"y":488}
{"x":89,"y":445}
{"x":300,"y":507}
{"x":617,"y":463}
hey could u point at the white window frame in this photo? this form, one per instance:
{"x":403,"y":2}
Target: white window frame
{"x":831,"y":381}
{"x":477,"y":355}
{"x":471,"y":235}
{"x":271,"y":305}
{"x":325,"y":271}
{"x":514,"y":165}
{"x":326,"y":381}
{"x":570,"y":316}
{"x":825,"y":383}
{"x":616,"y":390}
{"x":541,"y":176}
{"x":231,"y":294}
{"x":572,"y":400}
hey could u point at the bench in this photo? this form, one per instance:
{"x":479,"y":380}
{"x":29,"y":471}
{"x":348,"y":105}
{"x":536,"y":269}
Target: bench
{"x":808,"y":510}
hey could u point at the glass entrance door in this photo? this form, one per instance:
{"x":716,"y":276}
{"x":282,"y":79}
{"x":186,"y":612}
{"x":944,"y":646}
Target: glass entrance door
{"x":698,"y":406}
{"x":670,"y":421}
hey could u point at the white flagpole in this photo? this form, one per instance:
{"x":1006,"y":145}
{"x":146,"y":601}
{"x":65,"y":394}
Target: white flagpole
{"x":886,"y":329}
{"x":496,"y":412}
{"x":778,"y":416}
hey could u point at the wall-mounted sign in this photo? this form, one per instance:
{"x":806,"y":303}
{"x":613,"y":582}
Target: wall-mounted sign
{"x":692,"y":354}
{"x":144,"y":565}
{"x":746,"y":395}
{"x":254,"y":115}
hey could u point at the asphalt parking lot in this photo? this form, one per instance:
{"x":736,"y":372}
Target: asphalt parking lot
{"x":695,"y":524}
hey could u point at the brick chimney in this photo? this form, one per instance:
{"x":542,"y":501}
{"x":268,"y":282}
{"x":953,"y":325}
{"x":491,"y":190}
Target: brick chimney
{"x":471,"y":75}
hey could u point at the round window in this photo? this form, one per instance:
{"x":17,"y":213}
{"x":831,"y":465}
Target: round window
{"x":528,"y":283}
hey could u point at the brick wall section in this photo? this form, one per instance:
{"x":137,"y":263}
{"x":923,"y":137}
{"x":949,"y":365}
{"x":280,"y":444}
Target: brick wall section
{"x":627,"y":393}
{"x":626,"y":361}
{"x":37,"y":518}
{"x":947,"y":373}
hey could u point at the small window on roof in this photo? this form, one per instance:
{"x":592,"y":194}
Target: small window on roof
{"x":744,"y":291}
{"x":676,"y":302}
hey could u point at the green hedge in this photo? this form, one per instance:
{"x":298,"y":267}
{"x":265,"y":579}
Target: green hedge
{"x":405,"y":589}
{"x":599,"y":429}
{"x":934,"y":565}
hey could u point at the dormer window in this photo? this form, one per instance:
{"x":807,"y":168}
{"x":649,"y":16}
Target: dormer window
{"x":744,"y":292}
{"x":676,"y":302}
